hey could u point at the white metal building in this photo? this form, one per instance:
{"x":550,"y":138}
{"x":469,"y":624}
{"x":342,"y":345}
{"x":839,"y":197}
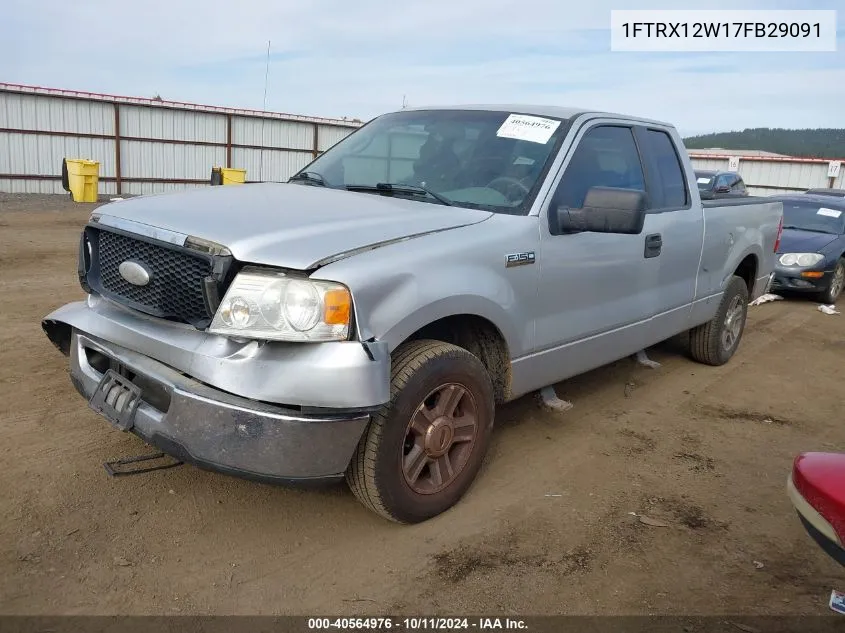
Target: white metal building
{"x":150,"y":146}
{"x":147,"y":145}
{"x":766,"y":174}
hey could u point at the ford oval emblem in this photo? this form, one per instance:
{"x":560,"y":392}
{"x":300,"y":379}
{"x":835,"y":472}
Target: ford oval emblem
{"x":134,"y":273}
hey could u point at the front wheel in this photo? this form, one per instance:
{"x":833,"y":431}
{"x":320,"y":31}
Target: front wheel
{"x":423,"y":449}
{"x":837,"y":283}
{"x":715,"y":342}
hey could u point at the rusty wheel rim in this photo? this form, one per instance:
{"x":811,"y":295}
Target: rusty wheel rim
{"x":439,"y":439}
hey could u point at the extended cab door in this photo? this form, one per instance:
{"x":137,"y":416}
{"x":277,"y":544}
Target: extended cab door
{"x":680,"y":223}
{"x":597,"y":290}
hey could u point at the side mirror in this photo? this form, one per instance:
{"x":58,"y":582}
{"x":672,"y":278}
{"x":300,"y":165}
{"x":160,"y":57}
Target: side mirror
{"x":723,"y":189}
{"x":605,"y":210}
{"x":706,"y":195}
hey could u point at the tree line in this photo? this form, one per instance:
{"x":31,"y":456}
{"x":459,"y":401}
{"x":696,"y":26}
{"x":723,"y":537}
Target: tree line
{"x":808,"y":143}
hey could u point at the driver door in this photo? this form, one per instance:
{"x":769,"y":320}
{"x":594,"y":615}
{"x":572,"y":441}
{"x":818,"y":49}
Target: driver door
{"x":598,"y":291}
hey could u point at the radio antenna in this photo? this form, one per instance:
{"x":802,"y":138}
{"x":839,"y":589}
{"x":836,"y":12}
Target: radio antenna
{"x":264,"y":118}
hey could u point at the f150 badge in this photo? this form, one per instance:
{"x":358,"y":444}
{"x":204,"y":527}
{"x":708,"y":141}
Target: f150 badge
{"x":519,"y":259}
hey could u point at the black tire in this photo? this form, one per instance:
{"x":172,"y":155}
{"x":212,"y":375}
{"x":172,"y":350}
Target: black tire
{"x":837,"y":283}
{"x":65,"y":176}
{"x":707,"y":342}
{"x":376,"y":475}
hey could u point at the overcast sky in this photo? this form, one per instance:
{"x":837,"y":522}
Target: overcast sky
{"x":358,"y":59}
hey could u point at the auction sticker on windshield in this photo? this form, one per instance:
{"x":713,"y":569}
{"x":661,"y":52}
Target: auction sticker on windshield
{"x":523,"y":127}
{"x":830,"y":213}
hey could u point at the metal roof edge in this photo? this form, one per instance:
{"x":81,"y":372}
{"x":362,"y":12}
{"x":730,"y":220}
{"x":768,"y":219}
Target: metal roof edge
{"x":772,"y":159}
{"x":180,"y":105}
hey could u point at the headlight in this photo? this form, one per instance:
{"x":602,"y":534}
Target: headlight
{"x":800,"y":259}
{"x":269,"y":305}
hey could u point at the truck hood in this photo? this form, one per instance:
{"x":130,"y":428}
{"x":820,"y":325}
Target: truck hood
{"x":288,"y":225}
{"x":798,"y":241}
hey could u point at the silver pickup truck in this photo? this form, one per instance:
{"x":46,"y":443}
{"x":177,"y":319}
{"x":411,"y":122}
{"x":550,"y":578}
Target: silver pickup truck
{"x":364,"y":319}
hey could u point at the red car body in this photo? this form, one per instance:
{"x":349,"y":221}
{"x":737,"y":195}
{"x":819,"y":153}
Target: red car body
{"x":817,"y":490}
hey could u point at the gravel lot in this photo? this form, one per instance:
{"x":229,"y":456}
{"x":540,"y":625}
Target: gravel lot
{"x":546,"y":529}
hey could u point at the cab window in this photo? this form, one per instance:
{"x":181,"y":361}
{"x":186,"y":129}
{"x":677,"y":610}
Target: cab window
{"x":606,"y":156}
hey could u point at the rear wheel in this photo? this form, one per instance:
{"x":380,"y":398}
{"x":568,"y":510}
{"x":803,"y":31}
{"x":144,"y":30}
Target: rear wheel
{"x":423,"y":449}
{"x":837,"y":283}
{"x":715,"y":342}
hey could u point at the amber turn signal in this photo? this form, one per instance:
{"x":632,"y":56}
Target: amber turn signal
{"x":337,"y":307}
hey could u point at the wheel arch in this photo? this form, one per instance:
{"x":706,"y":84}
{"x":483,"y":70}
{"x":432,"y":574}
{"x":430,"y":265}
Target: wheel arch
{"x":747,"y":271}
{"x":478,"y":335}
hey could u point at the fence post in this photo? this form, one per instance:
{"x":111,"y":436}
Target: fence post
{"x":117,"y":170}
{"x":228,"y":140}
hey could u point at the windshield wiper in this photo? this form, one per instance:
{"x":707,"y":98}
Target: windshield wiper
{"x":400,"y":188}
{"x":309,"y":176}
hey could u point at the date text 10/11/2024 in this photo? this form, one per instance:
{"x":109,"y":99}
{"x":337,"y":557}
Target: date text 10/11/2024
{"x":416,"y":624}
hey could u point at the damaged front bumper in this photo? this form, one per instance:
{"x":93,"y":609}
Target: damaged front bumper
{"x":289,"y":413}
{"x":792,"y":280}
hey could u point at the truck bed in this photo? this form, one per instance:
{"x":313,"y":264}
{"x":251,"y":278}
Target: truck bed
{"x":734,"y":202}
{"x":750,"y":225}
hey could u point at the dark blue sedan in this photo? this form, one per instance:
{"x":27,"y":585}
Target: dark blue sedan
{"x":811,"y":255}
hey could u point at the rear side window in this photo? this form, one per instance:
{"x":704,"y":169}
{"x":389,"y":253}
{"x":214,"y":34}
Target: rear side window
{"x":669,"y":179}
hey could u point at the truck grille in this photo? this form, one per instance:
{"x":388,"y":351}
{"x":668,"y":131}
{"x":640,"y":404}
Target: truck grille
{"x":177,"y":275}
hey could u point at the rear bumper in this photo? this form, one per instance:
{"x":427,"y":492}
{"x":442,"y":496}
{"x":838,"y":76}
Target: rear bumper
{"x":216,"y":430}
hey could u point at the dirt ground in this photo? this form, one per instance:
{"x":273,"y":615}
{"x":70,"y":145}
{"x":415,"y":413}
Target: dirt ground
{"x":546,"y":529}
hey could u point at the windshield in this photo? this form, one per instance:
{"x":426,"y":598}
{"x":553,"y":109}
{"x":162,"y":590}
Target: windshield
{"x":704,"y":180}
{"x":470,"y":158}
{"x":812,"y":216}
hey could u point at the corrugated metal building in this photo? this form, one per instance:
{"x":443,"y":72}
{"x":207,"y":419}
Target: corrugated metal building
{"x":148,"y":145}
{"x":766,"y":173}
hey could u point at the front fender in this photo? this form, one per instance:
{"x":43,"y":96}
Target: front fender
{"x":402,"y":304}
{"x":463,"y":304}
{"x":400,"y":288}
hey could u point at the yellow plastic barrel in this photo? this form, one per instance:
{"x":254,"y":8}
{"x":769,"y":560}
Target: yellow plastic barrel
{"x":232,"y":176}
{"x":83,"y":179}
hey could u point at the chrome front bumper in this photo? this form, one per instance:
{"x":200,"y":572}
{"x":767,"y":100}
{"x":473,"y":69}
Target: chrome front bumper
{"x":211,"y":427}
{"x":339,"y":375}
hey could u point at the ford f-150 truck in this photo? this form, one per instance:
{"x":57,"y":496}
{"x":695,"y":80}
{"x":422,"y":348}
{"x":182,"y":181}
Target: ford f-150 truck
{"x":364,"y":319}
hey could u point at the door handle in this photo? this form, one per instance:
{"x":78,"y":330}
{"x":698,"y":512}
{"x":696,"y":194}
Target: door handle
{"x":653,"y":245}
